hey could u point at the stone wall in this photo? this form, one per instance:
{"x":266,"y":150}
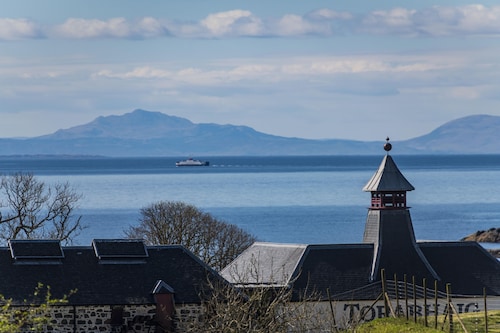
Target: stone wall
{"x":99,"y":319}
{"x":188,"y":317}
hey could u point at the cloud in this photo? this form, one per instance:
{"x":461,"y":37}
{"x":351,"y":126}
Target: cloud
{"x":472,"y":19}
{"x":325,"y":83}
{"x":320,"y":70}
{"x":234,"y":22}
{"x":397,"y":20}
{"x":14,"y":29}
{"x":82,"y":28}
{"x":295,"y":25}
{"x":433,"y":21}
{"x":328,"y":15}
{"x":145,"y":72}
{"x":118,"y":27}
{"x":243,"y":23}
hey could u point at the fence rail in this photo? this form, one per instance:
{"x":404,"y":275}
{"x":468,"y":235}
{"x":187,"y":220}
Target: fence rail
{"x":421,"y":302}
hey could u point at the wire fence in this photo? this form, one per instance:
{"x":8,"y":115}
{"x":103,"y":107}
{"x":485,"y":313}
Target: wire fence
{"x":426,"y":304}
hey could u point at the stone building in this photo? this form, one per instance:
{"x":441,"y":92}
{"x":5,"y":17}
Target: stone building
{"x":344,"y":271}
{"x":121,"y":285}
{"x":125,"y":286}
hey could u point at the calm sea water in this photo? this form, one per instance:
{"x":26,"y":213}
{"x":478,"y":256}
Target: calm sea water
{"x":280,"y":199}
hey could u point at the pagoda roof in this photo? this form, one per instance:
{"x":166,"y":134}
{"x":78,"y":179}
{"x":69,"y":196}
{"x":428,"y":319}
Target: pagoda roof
{"x":388,"y":178}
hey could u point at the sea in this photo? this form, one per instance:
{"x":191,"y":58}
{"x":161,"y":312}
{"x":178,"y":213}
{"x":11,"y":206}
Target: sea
{"x":284,"y":199}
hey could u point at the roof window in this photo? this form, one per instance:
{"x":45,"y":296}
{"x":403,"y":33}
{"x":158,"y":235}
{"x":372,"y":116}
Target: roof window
{"x":120,"y":251}
{"x":33,"y":252}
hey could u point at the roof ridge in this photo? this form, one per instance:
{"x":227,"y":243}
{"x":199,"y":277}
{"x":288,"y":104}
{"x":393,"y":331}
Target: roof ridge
{"x":388,"y":177}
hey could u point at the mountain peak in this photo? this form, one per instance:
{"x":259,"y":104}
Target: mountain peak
{"x":138,"y":124}
{"x":475,"y":134}
{"x":149,"y":133}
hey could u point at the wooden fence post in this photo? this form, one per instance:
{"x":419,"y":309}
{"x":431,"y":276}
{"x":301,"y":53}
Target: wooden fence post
{"x":449,"y":309}
{"x":424,"y":282}
{"x":485,"y":312}
{"x":331,"y":308}
{"x":406,"y":296}
{"x":435,"y":304}
{"x":414,"y":299}
{"x":396,"y":286}
{"x":384,"y":292}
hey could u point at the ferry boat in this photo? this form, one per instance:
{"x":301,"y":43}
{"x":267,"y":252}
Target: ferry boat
{"x":192,"y":162}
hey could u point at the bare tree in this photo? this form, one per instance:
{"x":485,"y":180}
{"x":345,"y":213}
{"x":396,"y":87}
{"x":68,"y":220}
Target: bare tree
{"x":169,"y":222}
{"x":258,"y":308}
{"x":32,"y":209}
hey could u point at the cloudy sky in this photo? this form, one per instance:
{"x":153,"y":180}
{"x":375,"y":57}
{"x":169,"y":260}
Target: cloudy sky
{"x":312,"y":69}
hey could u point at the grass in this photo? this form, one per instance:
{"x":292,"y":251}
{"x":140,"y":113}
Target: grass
{"x":393,"y":325}
{"x":473,"y":322}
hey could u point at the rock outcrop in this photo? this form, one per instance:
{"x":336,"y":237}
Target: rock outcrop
{"x":486,"y":236}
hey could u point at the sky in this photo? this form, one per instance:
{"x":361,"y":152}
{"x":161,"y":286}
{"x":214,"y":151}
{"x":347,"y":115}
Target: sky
{"x":318,"y":69}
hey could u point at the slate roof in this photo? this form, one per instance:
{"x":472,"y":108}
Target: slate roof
{"x":262,"y":263}
{"x":467,"y":266}
{"x":396,"y":250}
{"x":333,"y":269}
{"x":341,"y":271}
{"x":117,"y":280}
{"x":388,"y":178}
{"x":319,"y":269}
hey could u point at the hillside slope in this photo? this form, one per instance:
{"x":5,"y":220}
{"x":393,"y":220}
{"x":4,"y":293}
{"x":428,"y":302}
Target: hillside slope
{"x":146,"y":133}
{"x":478,"y":134}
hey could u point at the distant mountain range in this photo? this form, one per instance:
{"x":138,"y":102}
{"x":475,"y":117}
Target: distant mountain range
{"x":146,"y":133}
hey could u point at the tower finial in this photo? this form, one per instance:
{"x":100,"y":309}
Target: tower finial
{"x":387,"y":145}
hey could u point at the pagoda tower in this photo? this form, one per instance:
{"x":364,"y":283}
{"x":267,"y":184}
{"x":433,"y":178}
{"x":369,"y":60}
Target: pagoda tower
{"x":389,"y":227}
